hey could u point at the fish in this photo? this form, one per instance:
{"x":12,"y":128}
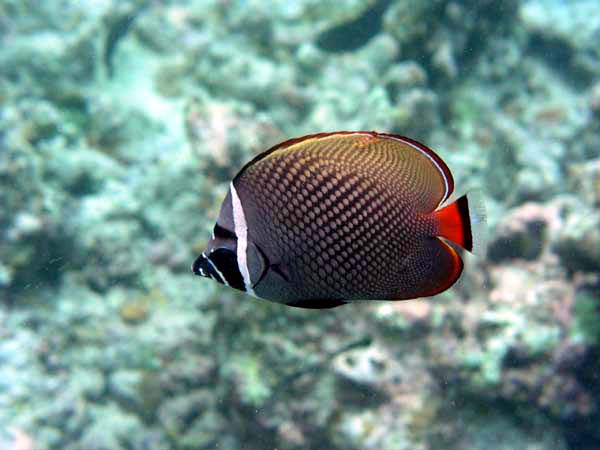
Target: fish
{"x":356,"y":32}
{"x":331,"y":218}
{"x":117,"y":29}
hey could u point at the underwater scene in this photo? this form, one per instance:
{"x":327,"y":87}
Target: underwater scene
{"x":123,"y":128}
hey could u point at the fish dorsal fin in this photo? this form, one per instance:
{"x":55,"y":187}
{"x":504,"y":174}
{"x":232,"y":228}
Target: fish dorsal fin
{"x":423,"y":174}
{"x":441,"y":182}
{"x":287,"y":145}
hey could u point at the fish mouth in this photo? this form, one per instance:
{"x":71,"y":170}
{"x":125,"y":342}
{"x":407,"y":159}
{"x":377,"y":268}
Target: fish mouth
{"x":197,"y":268}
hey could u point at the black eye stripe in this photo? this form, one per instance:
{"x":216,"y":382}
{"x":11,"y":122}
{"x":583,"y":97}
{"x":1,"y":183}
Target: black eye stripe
{"x":203,"y":267}
{"x":223,"y":233}
{"x":212,"y":273}
{"x":226,"y":262}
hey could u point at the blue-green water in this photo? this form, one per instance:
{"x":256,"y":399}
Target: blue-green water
{"x":121,"y":124}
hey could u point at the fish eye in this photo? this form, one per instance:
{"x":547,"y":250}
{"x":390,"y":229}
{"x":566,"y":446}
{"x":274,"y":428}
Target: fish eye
{"x":225,"y":268}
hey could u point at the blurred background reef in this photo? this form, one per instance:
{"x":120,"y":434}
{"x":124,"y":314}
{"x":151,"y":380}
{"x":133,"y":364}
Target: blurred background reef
{"x":121,"y":124}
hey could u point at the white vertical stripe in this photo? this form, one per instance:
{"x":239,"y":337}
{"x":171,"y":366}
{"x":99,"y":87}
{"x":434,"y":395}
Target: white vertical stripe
{"x":218,"y":272}
{"x":241,"y":231}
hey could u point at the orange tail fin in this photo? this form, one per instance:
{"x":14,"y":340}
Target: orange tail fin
{"x":455,"y":223}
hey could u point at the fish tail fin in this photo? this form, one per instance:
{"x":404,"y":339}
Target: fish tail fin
{"x":463,"y":222}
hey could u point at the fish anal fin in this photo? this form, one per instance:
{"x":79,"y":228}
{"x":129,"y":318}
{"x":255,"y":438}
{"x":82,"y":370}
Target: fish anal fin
{"x":440,"y":266}
{"x":316,"y":304}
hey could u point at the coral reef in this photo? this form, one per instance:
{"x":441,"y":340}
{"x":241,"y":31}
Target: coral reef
{"x":121,"y":124}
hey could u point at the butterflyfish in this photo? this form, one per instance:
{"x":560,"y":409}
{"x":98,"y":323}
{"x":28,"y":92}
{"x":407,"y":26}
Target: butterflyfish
{"x":330,"y":218}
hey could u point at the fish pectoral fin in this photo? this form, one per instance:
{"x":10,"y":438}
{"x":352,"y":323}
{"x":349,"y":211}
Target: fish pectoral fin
{"x":281,"y":270}
{"x":316,"y":303}
{"x":258,"y":263}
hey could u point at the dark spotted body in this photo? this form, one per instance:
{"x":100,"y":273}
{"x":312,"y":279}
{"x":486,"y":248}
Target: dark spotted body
{"x":338,"y":217}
